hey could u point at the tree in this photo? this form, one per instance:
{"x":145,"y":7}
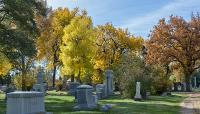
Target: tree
{"x":176,"y":42}
{"x":111,"y":44}
{"x":18,"y":31}
{"x":77,"y":48}
{"x":50,"y":39}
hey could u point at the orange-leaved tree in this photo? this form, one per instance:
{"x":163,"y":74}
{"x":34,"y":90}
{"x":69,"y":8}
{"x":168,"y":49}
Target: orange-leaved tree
{"x":176,"y":41}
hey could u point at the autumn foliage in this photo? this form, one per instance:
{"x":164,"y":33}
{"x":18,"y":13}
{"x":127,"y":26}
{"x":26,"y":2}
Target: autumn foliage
{"x":176,"y":42}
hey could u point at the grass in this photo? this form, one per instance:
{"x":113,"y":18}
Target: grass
{"x":60,"y":103}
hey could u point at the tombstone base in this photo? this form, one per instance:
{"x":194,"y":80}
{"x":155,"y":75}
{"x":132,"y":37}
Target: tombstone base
{"x":84,"y":108}
{"x":42,"y":113}
{"x":137,"y":99}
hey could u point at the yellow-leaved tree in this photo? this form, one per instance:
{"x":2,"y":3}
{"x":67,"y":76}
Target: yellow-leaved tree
{"x":51,"y":27}
{"x":77,"y":48}
{"x":111,"y":44}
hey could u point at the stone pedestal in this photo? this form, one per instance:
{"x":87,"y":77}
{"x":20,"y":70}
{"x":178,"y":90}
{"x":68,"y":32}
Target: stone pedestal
{"x":137,"y":94}
{"x":109,"y":82}
{"x":22,"y":102}
{"x":39,"y":88}
{"x":85,"y":98}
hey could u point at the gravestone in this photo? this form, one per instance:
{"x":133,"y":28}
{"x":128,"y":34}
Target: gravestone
{"x":179,"y":87}
{"x":85,"y":98}
{"x":101,"y":91}
{"x":40,"y":86}
{"x":195,"y":82}
{"x":25,"y":102}
{"x":184,"y":86}
{"x":72,"y":88}
{"x":109,"y":82}
{"x":137,"y":94}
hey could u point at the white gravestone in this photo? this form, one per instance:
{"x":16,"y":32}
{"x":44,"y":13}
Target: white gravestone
{"x":195,"y":82}
{"x":109,"y":82}
{"x":25,"y":102}
{"x":85,"y":98}
{"x":137,"y":94}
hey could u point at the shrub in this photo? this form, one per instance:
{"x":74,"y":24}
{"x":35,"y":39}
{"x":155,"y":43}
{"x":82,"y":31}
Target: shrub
{"x":59,"y":85}
{"x":160,"y":82}
{"x":29,"y":80}
{"x":128,"y":72}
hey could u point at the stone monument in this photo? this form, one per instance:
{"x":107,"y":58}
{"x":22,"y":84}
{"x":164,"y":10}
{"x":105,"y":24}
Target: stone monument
{"x":25,"y":102}
{"x":85,"y":98}
{"x":109,"y":82}
{"x":137,"y":94}
{"x":72,"y":88}
{"x":40,"y":86}
{"x":101,"y":91}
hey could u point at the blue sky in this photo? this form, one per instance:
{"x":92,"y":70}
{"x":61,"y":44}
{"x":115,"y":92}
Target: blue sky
{"x":139,"y":16}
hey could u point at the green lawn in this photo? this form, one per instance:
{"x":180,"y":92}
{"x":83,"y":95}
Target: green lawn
{"x":60,"y":103}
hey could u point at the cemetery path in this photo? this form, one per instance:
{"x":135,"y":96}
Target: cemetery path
{"x":191,"y":105}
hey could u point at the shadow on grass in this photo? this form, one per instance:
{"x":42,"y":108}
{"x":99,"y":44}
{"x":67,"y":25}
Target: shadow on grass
{"x":155,"y":105}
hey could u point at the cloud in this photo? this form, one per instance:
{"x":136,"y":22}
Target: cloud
{"x":145,"y":22}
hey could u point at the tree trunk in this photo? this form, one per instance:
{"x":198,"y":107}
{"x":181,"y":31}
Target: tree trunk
{"x":23,"y":74}
{"x":188,"y":81}
{"x":79,"y":77}
{"x":72,"y":78}
{"x":54,"y":75}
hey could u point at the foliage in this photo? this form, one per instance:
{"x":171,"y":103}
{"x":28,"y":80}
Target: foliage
{"x":111,"y":44}
{"x":160,"y":82}
{"x":5,"y":65}
{"x":59,"y":85}
{"x":29,"y":79}
{"x":176,"y":41}
{"x":131,"y":70}
{"x":18,"y":31}
{"x":50,"y":39}
{"x":78,"y":47}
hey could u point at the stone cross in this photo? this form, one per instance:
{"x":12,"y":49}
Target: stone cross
{"x":109,"y":82}
{"x":137,"y":94}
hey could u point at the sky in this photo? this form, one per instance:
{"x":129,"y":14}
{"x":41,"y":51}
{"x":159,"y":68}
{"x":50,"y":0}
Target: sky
{"x":139,"y":16}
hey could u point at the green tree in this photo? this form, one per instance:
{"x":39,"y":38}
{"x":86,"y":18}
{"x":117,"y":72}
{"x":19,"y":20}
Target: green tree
{"x":18,"y":32}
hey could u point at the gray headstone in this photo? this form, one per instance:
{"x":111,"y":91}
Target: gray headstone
{"x":40,"y":76}
{"x":85,"y":98}
{"x":72,"y":88}
{"x":24,"y":102}
{"x":101,"y":91}
{"x":137,"y":94}
{"x":109,"y":82}
{"x":40,"y":86}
